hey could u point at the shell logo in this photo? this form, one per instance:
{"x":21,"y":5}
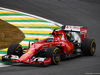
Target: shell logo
{"x":68,"y":49}
{"x":27,"y":60}
{"x":29,"y":52}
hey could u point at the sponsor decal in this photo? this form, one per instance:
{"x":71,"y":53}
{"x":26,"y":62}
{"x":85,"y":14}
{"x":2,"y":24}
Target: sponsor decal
{"x":45,"y":46}
{"x":31,"y":48}
{"x":83,"y":31}
{"x":26,"y":60}
{"x":29,"y":52}
{"x":68,"y":49}
{"x":23,"y":56}
{"x":14,"y":57}
{"x":58,"y":44}
{"x":46,"y":61}
{"x":73,"y":27}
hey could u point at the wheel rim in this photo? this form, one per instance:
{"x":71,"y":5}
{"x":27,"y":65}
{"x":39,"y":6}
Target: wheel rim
{"x":57,"y":56}
{"x":93,"y":49}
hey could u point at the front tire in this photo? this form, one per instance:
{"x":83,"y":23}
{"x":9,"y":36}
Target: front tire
{"x":88,"y":47}
{"x":54,"y":54}
{"x":15,"y":49}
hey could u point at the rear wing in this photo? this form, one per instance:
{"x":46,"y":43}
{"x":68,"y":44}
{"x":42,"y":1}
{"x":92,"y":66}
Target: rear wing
{"x":81,"y":29}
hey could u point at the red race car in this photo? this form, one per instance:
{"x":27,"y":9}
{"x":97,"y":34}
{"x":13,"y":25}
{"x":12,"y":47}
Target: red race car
{"x":68,"y":42}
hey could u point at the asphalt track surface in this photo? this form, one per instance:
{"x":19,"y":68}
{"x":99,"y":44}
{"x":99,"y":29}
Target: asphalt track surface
{"x":70,"y":12}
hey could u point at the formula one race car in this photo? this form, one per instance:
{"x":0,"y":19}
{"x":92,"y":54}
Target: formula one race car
{"x":68,"y":42}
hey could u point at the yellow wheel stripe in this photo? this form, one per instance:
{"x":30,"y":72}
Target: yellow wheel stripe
{"x":91,"y":46}
{"x":20,"y":18}
{"x":53,"y":56}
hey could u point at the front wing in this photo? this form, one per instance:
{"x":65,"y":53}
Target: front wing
{"x":33,"y":60}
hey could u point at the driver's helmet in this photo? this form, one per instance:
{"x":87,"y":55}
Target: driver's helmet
{"x":68,"y":35}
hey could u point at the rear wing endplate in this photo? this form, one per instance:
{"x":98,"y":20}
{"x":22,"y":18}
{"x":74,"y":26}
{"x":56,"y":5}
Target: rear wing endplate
{"x":81,"y":29}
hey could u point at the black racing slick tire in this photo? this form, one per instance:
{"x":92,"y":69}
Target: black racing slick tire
{"x":88,"y":47}
{"x":54,"y":54}
{"x":15,"y":49}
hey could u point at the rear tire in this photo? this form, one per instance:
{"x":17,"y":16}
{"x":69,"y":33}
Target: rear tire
{"x":88,"y":47}
{"x":54,"y":54}
{"x":15,"y":49}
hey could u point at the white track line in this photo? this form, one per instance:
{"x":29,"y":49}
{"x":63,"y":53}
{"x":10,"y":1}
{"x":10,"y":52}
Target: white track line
{"x":24,"y":42}
{"x":4,"y":65}
{"x":15,"y":17}
{"x":2,"y":54}
{"x":37,"y":36}
{"x":35,"y":29}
